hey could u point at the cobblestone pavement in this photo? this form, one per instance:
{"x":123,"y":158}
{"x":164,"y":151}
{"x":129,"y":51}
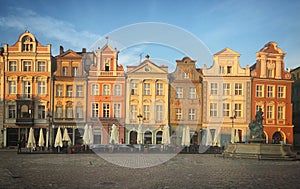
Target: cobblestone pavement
{"x":182,"y":171}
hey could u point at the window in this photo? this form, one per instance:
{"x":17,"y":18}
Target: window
{"x":159,"y":89}
{"x":213,"y":109}
{"x":257,"y":108}
{"x":134,"y":88}
{"x":146,"y":112}
{"x":41,"y":87}
{"x":69,"y":112}
{"x":27,"y":87}
{"x":159,"y":113}
{"x":270,"y":91}
{"x":95,"y":89}
{"x":65,"y":71}
{"x":12,"y":87}
{"x":105,"y":110}
{"x":259,"y":91}
{"x":229,"y":69}
{"x":26,"y":66}
{"x":69,"y":91}
{"x":79,"y":112}
{"x":213,"y":88}
{"x":226,"y":88}
{"x":221,"y":69}
{"x":59,"y":90}
{"x":59,"y":112}
{"x":179,"y":92}
{"x":146,"y":88}
{"x":226,"y":108}
{"x":269,"y":112}
{"x":238,"y":88}
{"x":191,"y":114}
{"x":95,"y":110}
{"x":117,"y":90}
{"x":11,"y":111}
{"x":281,"y":92}
{"x":238,"y":110}
{"x":41,"y":112}
{"x":185,"y":75}
{"x":192,"y":92}
{"x":74,"y":71}
{"x":12,"y":66}
{"x":41,"y":66}
{"x":178,"y":114}
{"x":133,"y":112}
{"x":280,"y":112}
{"x":107,"y":64}
{"x":117,"y":110}
{"x":79,"y":91}
{"x":106,"y":90}
{"x":270,"y":73}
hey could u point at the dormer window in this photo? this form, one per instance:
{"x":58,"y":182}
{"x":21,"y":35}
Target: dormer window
{"x":229,"y":69}
{"x":27,"y":43}
{"x":270,"y":73}
{"x":107,"y":64}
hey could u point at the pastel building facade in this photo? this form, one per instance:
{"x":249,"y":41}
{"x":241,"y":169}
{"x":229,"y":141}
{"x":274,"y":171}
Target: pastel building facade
{"x":146,"y":102}
{"x":185,"y":103}
{"x":106,"y":95}
{"x":226,"y":100}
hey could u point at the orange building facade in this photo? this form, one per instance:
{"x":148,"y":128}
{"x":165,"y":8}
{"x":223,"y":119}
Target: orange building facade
{"x":27,"y":89}
{"x":106,"y":95}
{"x":271,"y":91}
{"x":69,"y":94}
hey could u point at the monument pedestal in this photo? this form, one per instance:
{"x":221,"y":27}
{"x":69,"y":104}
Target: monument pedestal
{"x":260,"y":151}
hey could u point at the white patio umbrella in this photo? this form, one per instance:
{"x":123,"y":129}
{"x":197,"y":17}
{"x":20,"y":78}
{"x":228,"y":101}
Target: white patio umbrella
{"x":66,"y":137}
{"x":114,"y":135}
{"x":41,"y":138}
{"x":187,"y":137}
{"x":86,"y":135}
{"x":166,"y":136}
{"x":31,"y":140}
{"x":183,"y":137}
{"x":232,"y":136}
{"x":58,"y":139}
{"x":139,"y":135}
{"x":236,"y":136}
{"x":91,"y":135}
{"x":47,"y":139}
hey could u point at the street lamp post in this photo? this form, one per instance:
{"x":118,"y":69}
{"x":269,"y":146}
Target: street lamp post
{"x":232,"y":127}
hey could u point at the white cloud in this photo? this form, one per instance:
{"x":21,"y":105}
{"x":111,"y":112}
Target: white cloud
{"x":49,"y":27}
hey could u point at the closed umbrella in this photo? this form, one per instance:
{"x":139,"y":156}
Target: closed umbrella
{"x":41,"y":138}
{"x":58,"y":139}
{"x":66,"y":136}
{"x":183,"y":137}
{"x":166,"y":135}
{"x":114,"y":135}
{"x":187,"y":137}
{"x":91,"y":135}
{"x":31,"y":140}
{"x":86,"y":135}
{"x":139,"y":135}
{"x":47,"y":139}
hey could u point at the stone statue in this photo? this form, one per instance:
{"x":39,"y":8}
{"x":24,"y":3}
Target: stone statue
{"x":256,"y":126}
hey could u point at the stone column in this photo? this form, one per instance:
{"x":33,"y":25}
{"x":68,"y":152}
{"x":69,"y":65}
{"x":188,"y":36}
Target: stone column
{"x":278,"y":68}
{"x":263,"y":66}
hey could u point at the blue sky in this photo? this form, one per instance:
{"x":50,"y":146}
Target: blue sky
{"x":244,"y":26}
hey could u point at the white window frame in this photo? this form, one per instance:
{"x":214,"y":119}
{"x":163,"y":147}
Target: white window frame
{"x":259,"y":90}
{"x":238,"y":108}
{"x":179,"y":92}
{"x":178,"y":113}
{"x":117,"y":90}
{"x":192,"y":114}
{"x":27,"y":67}
{"x":79,"y":90}
{"x":146,"y":89}
{"x":41,"y":66}
{"x":95,"y":110}
{"x":226,"y":109}
{"x":12,"y":67}
{"x":106,"y":110}
{"x":42,"y":87}
{"x":106,"y":90}
{"x":213,"y":109}
{"x":41,"y":112}
{"x":238,"y":89}
{"x":59,"y":112}
{"x":133,"y":112}
{"x":59,"y":90}
{"x":117,"y":110}
{"x":270,"y":112}
{"x":281,"y":92}
{"x":146,"y":109}
{"x":159,"y":89}
{"x":95,"y":89}
{"x":159,"y":112}
{"x":270,"y":91}
{"x":134,"y":88}
{"x":12,"y":87}
{"x":69,"y":93}
{"x":214,"y":88}
{"x":192,"y":93}
{"x":281,"y":112}
{"x":226,"y":88}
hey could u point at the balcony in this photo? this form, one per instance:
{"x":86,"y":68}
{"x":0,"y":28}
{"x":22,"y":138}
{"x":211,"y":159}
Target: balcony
{"x":25,"y":121}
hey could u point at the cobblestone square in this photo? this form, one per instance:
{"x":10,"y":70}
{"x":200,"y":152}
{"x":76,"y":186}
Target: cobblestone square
{"x":182,"y":171}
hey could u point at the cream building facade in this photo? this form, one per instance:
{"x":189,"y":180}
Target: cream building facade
{"x":226,"y":100}
{"x":146,"y":102}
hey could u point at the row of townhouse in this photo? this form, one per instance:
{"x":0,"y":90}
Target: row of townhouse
{"x":74,"y":89}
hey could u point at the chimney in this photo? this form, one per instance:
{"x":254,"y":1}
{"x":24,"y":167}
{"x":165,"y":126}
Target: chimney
{"x":83,"y":50}
{"x":61,"y":49}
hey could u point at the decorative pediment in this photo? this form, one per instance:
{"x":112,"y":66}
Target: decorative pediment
{"x":69,"y":54}
{"x":147,"y":67}
{"x":227,"y":52}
